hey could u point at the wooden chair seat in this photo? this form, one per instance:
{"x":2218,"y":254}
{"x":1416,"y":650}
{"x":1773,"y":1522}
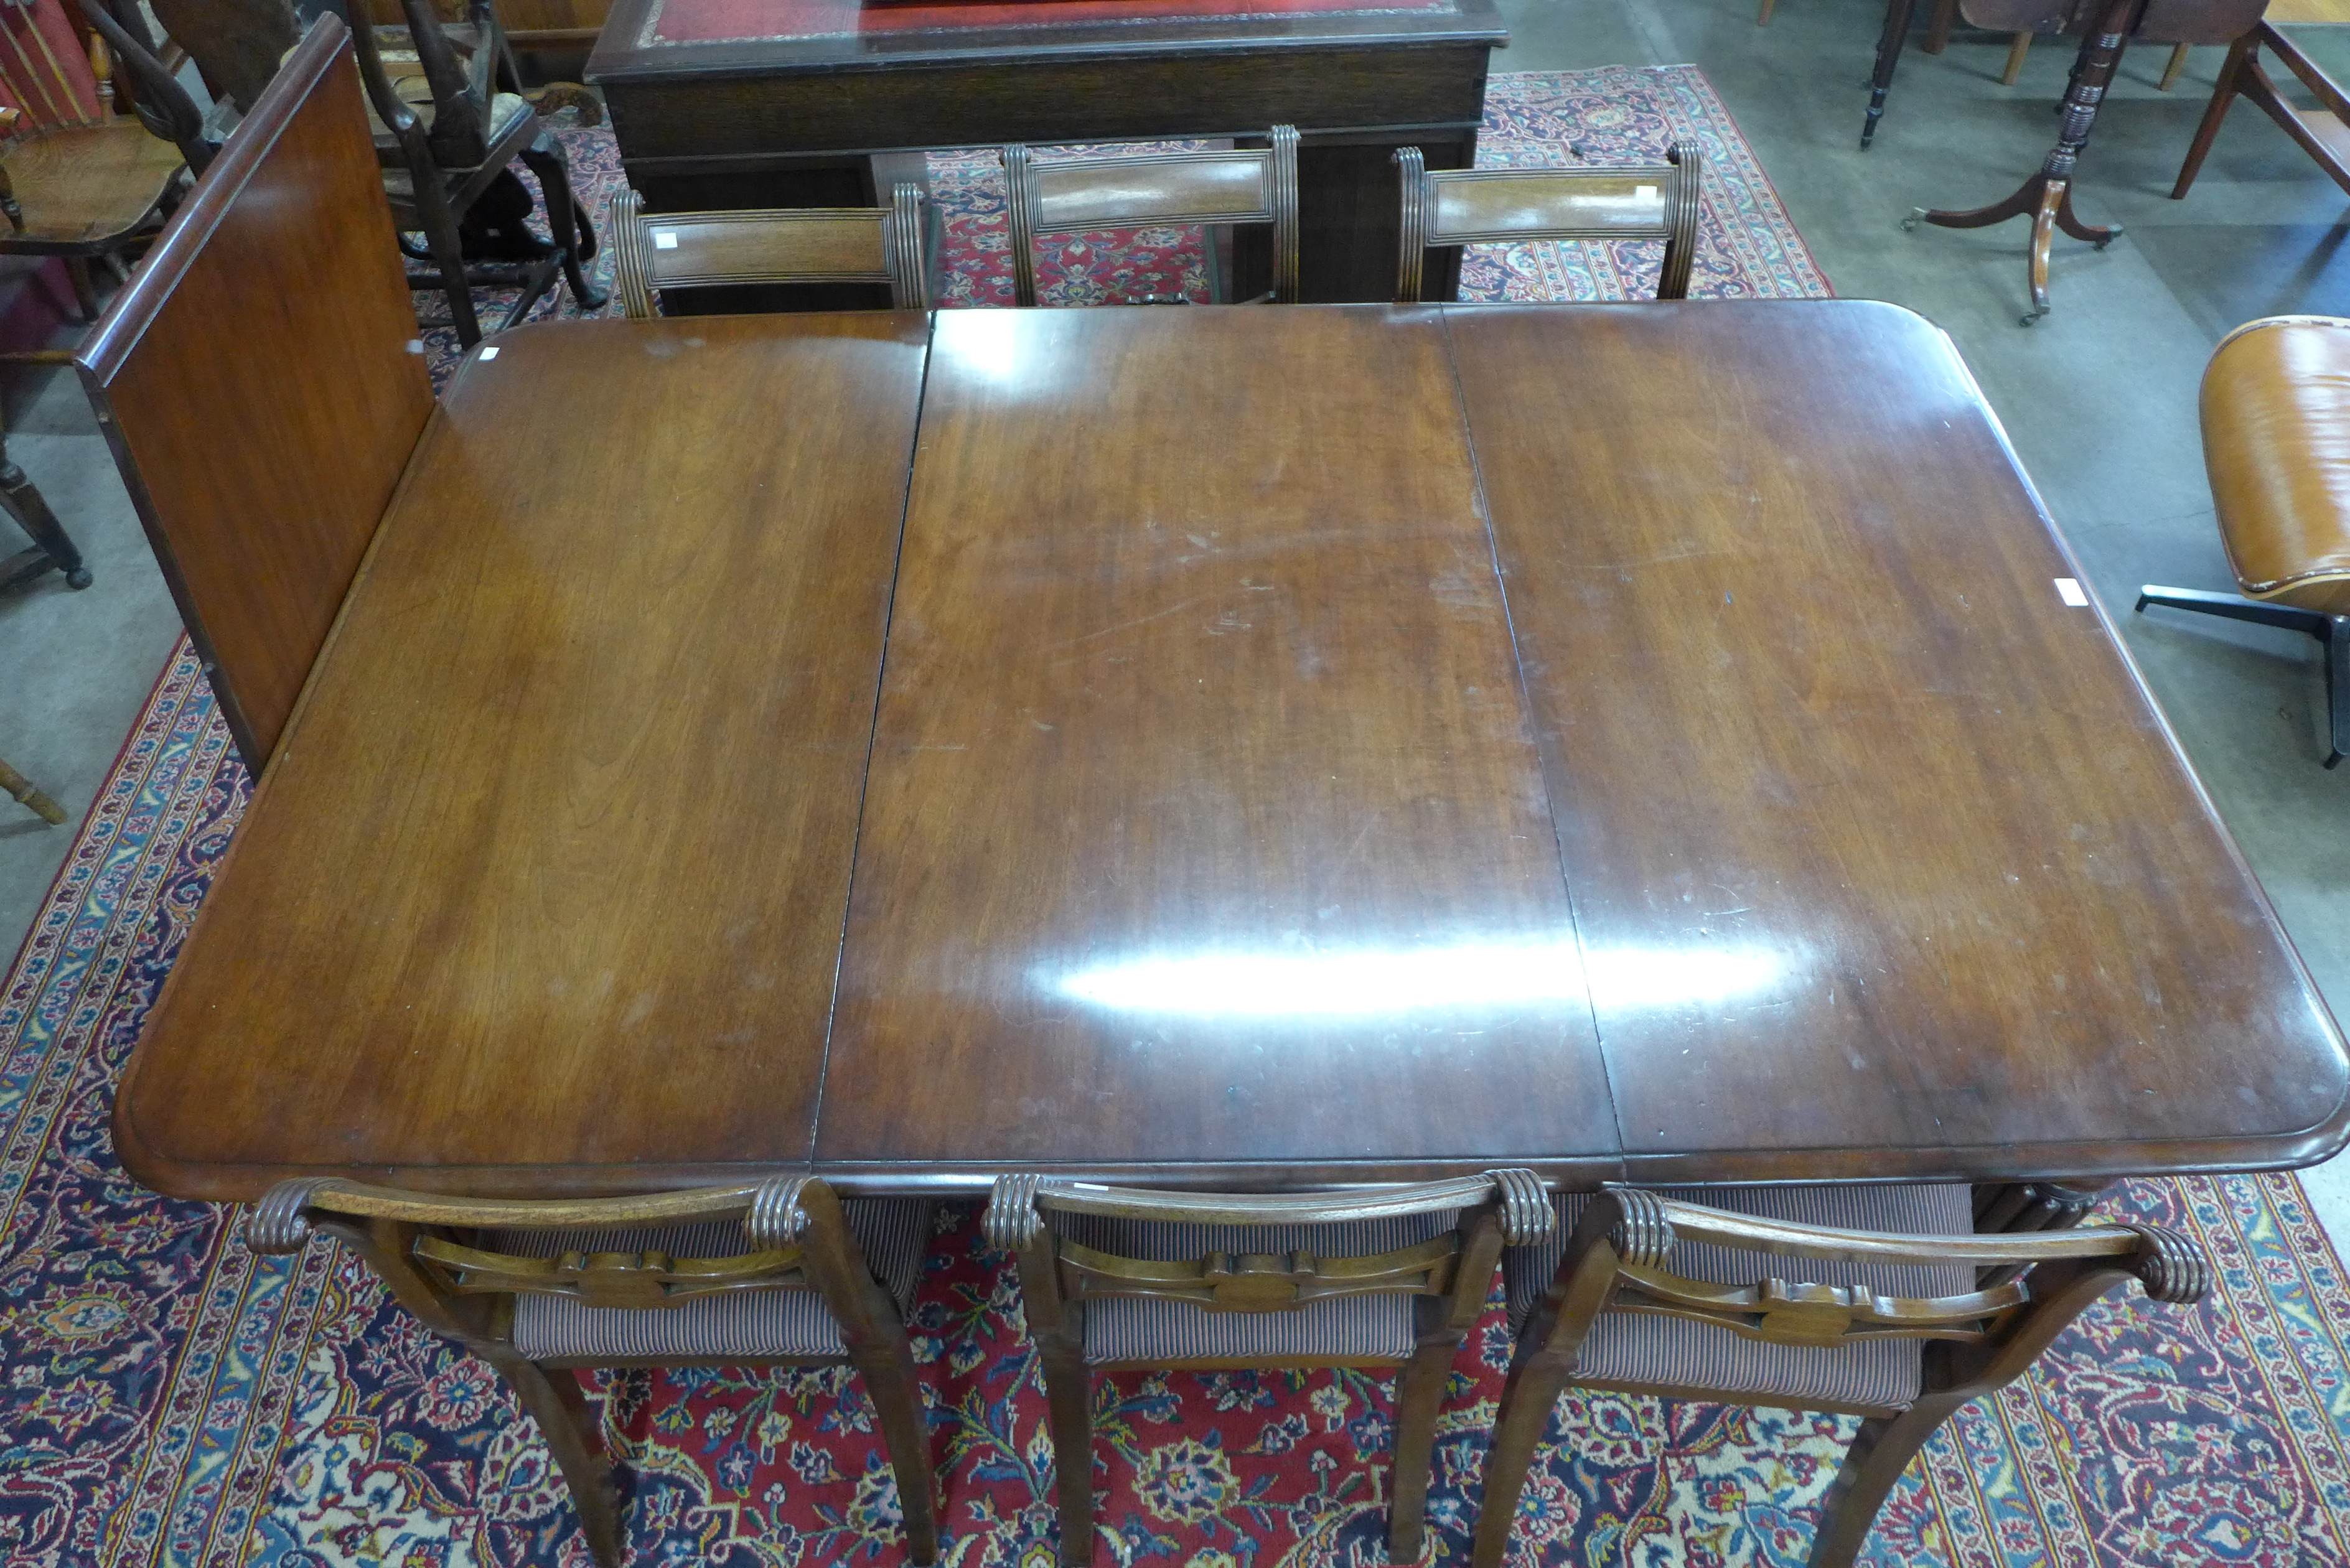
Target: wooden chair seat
{"x":1345,"y":1329}
{"x":1631,"y":1348}
{"x":85,"y":186}
{"x":759,"y":1324}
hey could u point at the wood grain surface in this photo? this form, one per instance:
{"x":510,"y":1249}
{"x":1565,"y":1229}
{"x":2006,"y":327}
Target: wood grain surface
{"x":549,"y":871}
{"x":1204,"y":824}
{"x":1240,"y":805}
{"x":276,"y":290}
{"x":1910,"y":871}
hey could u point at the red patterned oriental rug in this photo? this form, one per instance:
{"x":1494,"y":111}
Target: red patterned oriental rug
{"x":171,"y":1397}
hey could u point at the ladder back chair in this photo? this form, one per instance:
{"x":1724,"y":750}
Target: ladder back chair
{"x":1895,"y":1311}
{"x":1085,"y":195}
{"x":1383,"y":1277}
{"x":778,"y":1273}
{"x":1474,"y":206}
{"x":651,"y":251}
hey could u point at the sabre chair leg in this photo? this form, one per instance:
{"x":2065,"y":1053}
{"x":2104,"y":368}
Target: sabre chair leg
{"x":890,"y":1382}
{"x":2223,"y":97}
{"x":2018,"y":47}
{"x":1068,"y":1414}
{"x":554,"y":1399}
{"x":1871,"y":1468}
{"x":2331,"y":630}
{"x":1418,"y":1391}
{"x":1527,"y":1401}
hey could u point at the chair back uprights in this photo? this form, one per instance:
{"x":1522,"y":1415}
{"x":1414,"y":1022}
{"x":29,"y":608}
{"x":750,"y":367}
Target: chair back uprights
{"x":1473,"y":206}
{"x":2028,"y":1286}
{"x":466,"y":1266}
{"x":816,"y":244}
{"x":1085,"y":195}
{"x":1392,"y":1276}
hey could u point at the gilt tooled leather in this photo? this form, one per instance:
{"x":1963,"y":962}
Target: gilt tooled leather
{"x":2276,"y":441}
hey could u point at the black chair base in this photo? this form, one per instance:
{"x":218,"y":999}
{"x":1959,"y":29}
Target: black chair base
{"x":2333,"y":631}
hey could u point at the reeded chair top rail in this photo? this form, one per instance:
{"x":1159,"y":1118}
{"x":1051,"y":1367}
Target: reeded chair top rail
{"x":1084,"y":195}
{"x":1590,"y":201}
{"x":654,"y":251}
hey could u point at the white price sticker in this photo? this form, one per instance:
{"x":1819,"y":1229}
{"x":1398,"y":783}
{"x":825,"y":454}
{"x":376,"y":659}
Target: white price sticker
{"x":2069,"y":590}
{"x":664,"y":239}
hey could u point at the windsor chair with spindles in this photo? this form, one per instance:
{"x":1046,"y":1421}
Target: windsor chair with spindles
{"x":77,"y":181}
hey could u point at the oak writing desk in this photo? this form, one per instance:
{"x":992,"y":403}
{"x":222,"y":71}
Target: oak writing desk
{"x":1628,"y":740}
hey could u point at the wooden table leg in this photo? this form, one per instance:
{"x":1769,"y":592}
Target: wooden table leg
{"x":2048,"y":195}
{"x":1888,"y":54}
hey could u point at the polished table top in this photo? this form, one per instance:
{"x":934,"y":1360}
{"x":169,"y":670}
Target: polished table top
{"x":1242,"y":745}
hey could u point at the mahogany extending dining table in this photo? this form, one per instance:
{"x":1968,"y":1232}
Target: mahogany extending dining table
{"x":1239,"y":746}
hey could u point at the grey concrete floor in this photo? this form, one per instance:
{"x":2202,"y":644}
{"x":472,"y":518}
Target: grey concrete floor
{"x":2099,"y":398}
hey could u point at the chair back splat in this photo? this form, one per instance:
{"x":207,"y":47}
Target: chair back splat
{"x":1472,"y":206}
{"x":1385,"y":1276}
{"x":1085,"y":195}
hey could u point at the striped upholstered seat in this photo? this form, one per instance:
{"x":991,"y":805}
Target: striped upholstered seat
{"x":1345,"y":1329}
{"x":758,"y":1325}
{"x":1641,"y":1347}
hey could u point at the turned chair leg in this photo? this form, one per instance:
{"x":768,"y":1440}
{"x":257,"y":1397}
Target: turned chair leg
{"x":41,"y":805}
{"x":22,"y":502}
{"x":1871,"y":1468}
{"x":552,"y":1398}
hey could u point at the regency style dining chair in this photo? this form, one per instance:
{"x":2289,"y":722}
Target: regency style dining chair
{"x":653,"y":252}
{"x":1594,"y":202}
{"x":1119,"y":1278}
{"x":778,"y":1273}
{"x":1897,"y":1313}
{"x":1085,"y":195}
